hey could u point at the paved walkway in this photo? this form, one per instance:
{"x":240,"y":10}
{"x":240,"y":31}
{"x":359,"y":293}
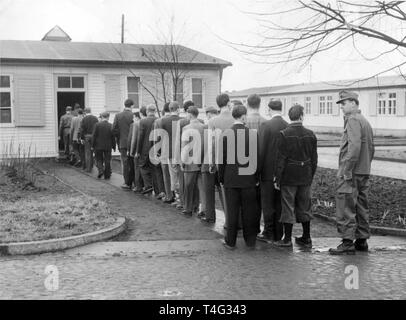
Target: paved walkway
{"x":168,"y":256}
{"x":328,"y":158}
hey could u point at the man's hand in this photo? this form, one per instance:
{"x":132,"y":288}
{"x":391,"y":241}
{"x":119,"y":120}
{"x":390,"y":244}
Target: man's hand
{"x":277,"y":186}
{"x":137,"y":156}
{"x":59,"y":137}
{"x":212,"y":169}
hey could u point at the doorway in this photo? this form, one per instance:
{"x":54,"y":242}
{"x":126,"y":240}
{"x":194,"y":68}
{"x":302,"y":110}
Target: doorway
{"x":65,"y":99}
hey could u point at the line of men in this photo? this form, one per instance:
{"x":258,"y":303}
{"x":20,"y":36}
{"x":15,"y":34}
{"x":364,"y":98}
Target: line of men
{"x":284,"y":161}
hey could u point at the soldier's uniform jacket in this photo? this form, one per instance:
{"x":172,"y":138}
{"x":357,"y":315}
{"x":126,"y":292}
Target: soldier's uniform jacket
{"x":357,"y":147}
{"x":66,"y":121}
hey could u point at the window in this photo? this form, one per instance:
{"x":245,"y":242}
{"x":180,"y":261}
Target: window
{"x":67,"y":82}
{"x":197,"y":92}
{"x":5,"y":99}
{"x":329,"y":105}
{"x":179,"y":92}
{"x":308,"y":105}
{"x":295,"y":100}
{"x":326,"y":105}
{"x":133,"y":92}
{"x":322,"y":105}
{"x":392,"y":103}
{"x":387,"y":103}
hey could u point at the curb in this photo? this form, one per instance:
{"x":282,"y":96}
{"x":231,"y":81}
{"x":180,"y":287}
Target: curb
{"x":383,"y":231}
{"x":42,"y":246}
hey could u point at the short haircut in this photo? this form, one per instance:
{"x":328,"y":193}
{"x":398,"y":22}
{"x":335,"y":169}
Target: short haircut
{"x":194,"y":111}
{"x":237,"y":102}
{"x":137,"y":115}
{"x":295,"y":112}
{"x":166,"y":108}
{"x":222,"y":100}
{"x":143,"y":111}
{"x":151,"y":108}
{"x":77,"y":105}
{"x":188,"y":104}
{"x":238,"y":111}
{"x":173,"y":106}
{"x":105,"y":115}
{"x":88,"y":110}
{"x":128,"y":103}
{"x":80,"y":111}
{"x":68,"y":108}
{"x":275,"y":104}
{"x":254,"y":101}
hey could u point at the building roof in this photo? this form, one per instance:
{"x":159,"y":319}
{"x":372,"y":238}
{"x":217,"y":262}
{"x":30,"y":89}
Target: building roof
{"x":336,"y":85}
{"x":97,"y":52}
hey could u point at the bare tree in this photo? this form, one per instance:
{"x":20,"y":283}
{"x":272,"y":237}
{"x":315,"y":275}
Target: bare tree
{"x":308,"y":28}
{"x":170,"y":60}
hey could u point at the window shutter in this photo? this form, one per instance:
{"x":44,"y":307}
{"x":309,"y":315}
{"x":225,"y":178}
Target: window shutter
{"x":315,"y":105}
{"x":29,"y":100}
{"x":187,"y":86}
{"x":373,"y":98}
{"x":400,"y":103}
{"x":113,"y":91}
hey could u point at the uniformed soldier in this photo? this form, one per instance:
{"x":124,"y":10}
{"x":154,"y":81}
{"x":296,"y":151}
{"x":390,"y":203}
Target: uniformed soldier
{"x":356,"y":153}
{"x":64,"y":129}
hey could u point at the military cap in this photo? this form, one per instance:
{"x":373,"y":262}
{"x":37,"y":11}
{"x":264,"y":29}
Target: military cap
{"x":344,"y":95}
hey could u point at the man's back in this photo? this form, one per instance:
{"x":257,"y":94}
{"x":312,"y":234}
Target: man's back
{"x":169,"y":125}
{"x":143,"y":143}
{"x":297,"y":157}
{"x":121,"y":127}
{"x":103,"y":138}
{"x":222,"y":121}
{"x":254,"y":120}
{"x":199,"y":127}
{"x":87,"y":125}
{"x":269,"y":138}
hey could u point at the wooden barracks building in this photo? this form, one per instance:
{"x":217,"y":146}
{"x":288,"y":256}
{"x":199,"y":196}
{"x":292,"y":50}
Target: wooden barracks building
{"x":382,"y":101}
{"x":40,"y":78}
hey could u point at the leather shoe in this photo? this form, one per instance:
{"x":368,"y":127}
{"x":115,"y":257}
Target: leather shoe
{"x":208,"y":220}
{"x":147,"y":190}
{"x":187,"y":213}
{"x":283,"y":243}
{"x":201,"y":215}
{"x":166,"y":200}
{"x":264,"y":238}
{"x":226,"y":245}
{"x":100,"y":175}
{"x":304,"y":242}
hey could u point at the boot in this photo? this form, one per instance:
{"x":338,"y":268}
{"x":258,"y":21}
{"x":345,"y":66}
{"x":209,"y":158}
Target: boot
{"x":346,"y":247}
{"x":361,"y":245}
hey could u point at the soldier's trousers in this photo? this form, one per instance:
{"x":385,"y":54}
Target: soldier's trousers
{"x":352,"y":208}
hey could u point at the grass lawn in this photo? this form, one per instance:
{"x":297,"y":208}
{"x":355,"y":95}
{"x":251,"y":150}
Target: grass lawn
{"x":46,"y":209}
{"x":387,"y":198}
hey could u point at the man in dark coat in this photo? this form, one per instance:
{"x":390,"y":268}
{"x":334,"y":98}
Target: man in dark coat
{"x":103,"y":141}
{"x":269,"y":138}
{"x":297,"y":163}
{"x":86,"y":132}
{"x":144,"y":144}
{"x":121,"y":127}
{"x":240,"y":180}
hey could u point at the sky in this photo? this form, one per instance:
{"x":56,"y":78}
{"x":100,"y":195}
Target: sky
{"x":204,"y":25}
